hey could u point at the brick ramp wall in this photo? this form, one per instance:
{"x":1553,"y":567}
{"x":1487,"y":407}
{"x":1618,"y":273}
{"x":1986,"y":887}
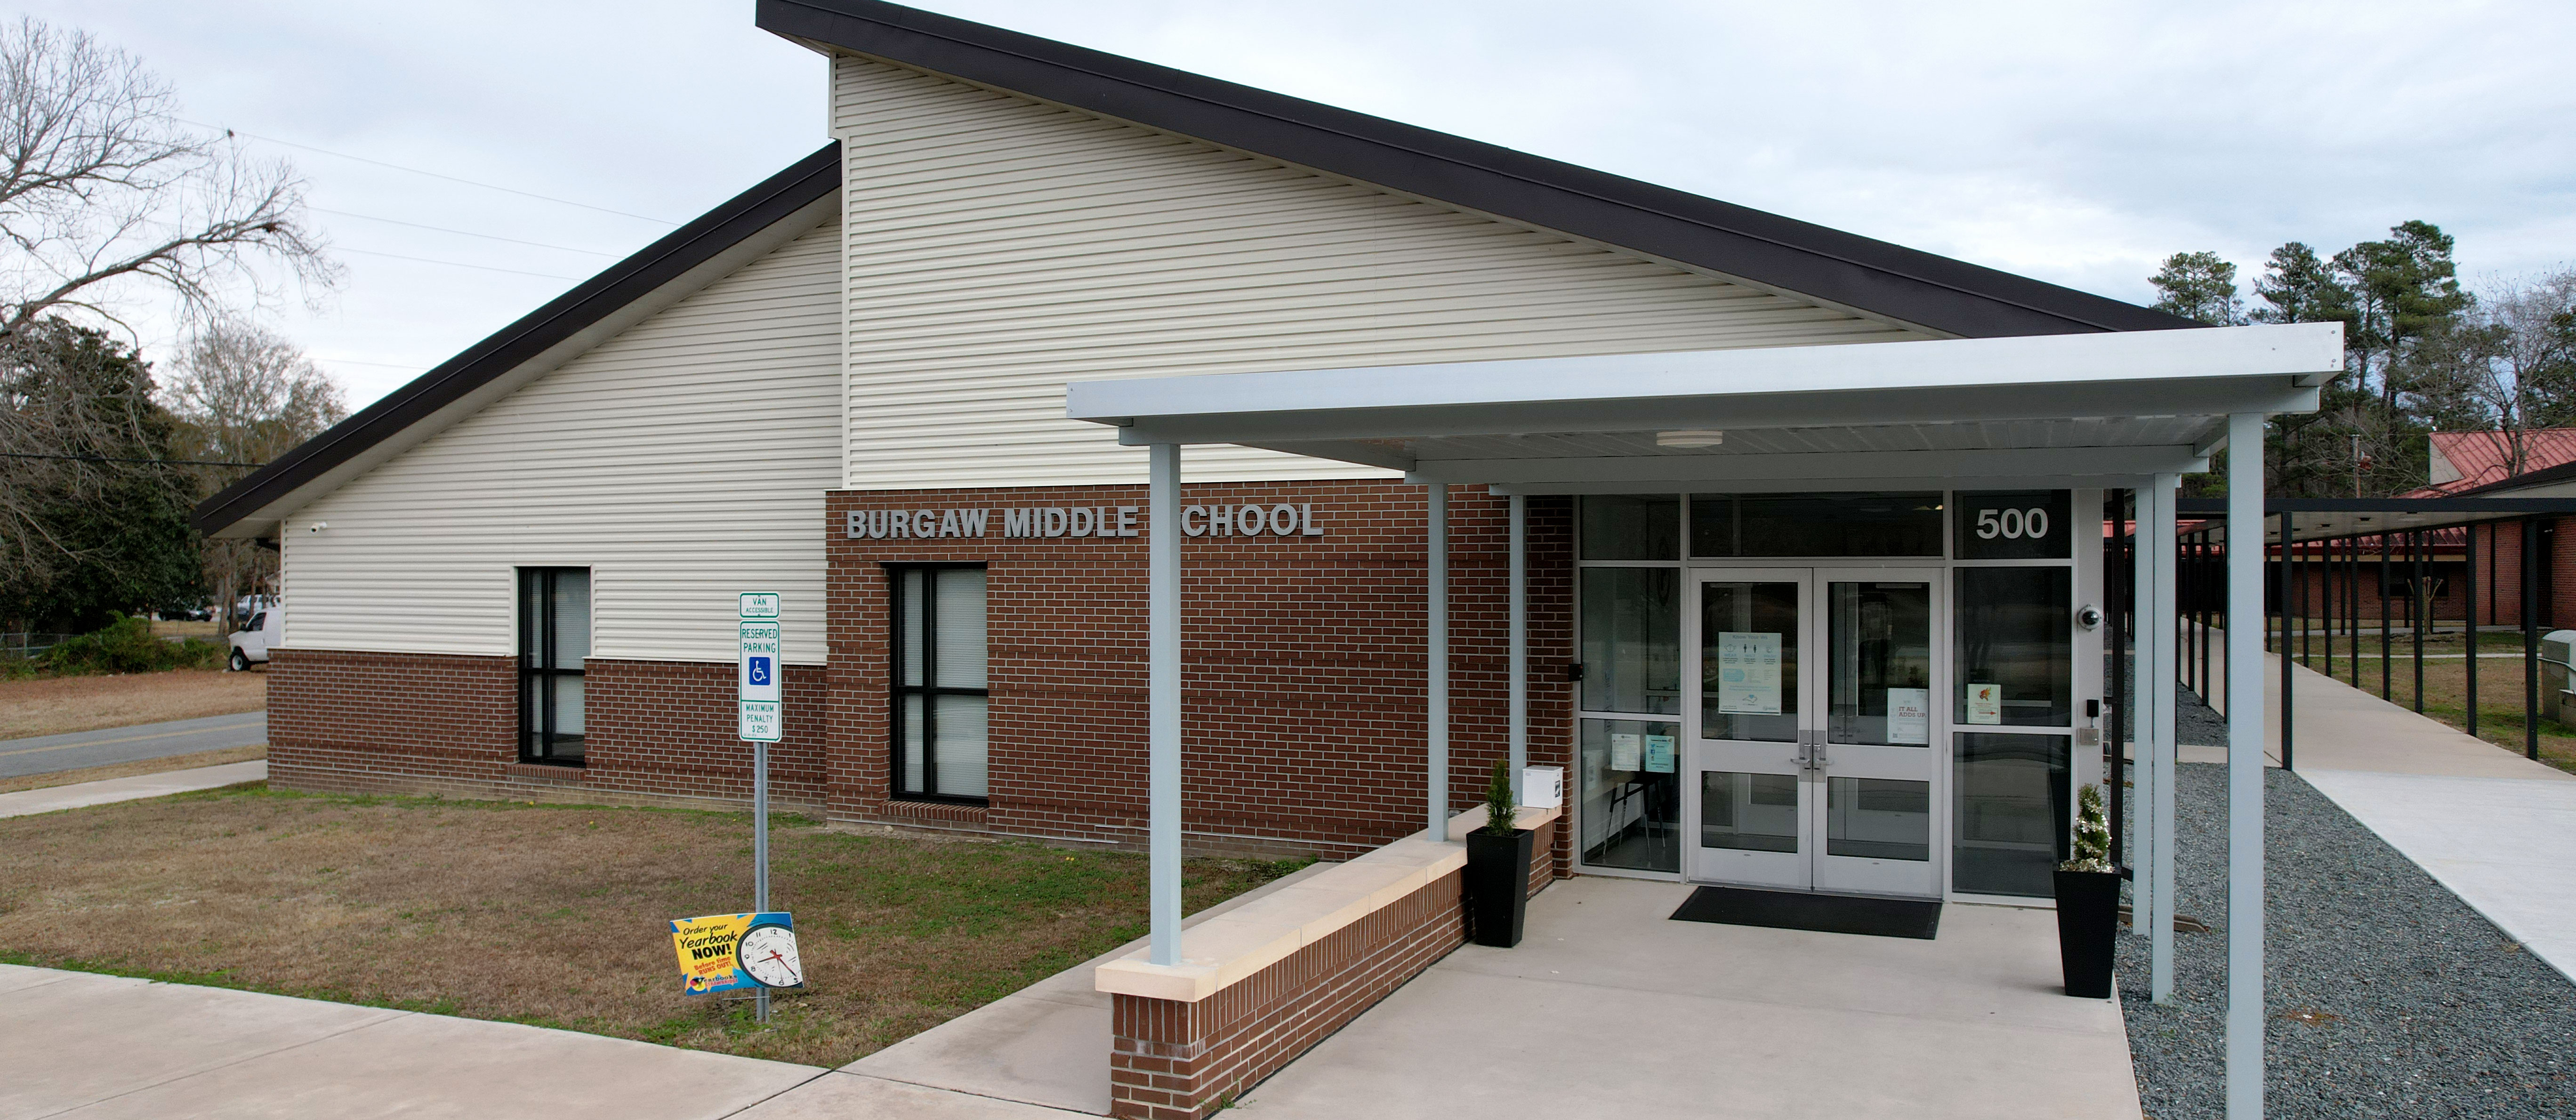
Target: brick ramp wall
{"x":1170,"y":1060}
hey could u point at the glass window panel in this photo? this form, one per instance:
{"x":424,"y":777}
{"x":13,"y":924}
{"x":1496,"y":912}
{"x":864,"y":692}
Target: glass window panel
{"x":1907,"y":524}
{"x":1756,"y":812}
{"x":959,"y":633}
{"x":961,"y":748}
{"x":2013,"y":525}
{"x":1878,"y":818}
{"x":532,"y":705}
{"x":908,"y":594}
{"x":908,"y":733}
{"x":1749,"y":661}
{"x":571,"y":617}
{"x":2009,"y":824}
{"x":2016,"y":647}
{"x":567,"y":708}
{"x":1631,"y":794}
{"x":1632,"y":640}
{"x":532,"y":617}
{"x":1878,"y":671}
{"x":1632,"y":527}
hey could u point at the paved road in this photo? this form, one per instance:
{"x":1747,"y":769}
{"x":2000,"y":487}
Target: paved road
{"x":44,"y":754}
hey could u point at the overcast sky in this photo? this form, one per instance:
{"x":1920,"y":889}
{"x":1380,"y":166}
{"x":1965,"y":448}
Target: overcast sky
{"x":2077,"y":143}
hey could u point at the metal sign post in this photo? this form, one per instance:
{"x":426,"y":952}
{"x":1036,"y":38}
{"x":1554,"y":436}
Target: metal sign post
{"x":759,"y":720}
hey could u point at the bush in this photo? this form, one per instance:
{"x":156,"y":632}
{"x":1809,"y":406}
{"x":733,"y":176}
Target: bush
{"x":125,"y":645}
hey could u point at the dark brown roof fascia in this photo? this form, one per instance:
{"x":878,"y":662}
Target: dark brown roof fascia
{"x":595,"y":299}
{"x":1858,"y":272}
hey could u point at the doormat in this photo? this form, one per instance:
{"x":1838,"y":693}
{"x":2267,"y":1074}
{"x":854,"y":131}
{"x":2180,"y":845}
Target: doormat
{"x":1822,"y":913}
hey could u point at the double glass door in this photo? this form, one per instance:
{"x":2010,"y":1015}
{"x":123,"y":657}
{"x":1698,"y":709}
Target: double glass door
{"x":1810,"y":756}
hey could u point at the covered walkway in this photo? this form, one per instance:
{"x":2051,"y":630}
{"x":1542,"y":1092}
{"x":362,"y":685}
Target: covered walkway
{"x":2493,"y":827}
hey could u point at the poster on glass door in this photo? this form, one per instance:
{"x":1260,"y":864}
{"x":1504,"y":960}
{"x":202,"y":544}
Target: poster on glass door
{"x":1909,"y":717}
{"x":1748,"y":673}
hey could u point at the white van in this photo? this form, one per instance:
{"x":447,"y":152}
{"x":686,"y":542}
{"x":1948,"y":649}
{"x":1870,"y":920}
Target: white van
{"x":250,"y":643}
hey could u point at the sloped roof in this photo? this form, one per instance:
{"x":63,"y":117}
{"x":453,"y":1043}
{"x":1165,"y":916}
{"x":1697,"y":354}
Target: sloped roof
{"x":594,"y":301}
{"x":1920,"y":289}
{"x":2482,"y":459}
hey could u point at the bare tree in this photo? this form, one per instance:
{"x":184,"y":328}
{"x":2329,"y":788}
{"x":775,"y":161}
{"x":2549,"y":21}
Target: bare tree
{"x":103,"y":190}
{"x":2502,"y":370}
{"x":244,"y":394}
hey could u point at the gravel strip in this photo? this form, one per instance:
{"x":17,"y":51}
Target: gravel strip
{"x":2387,"y":995}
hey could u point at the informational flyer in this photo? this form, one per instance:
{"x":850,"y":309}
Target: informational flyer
{"x":1909,"y":716}
{"x":1985,"y":703}
{"x":1626,"y":751}
{"x":1748,"y":673}
{"x":1659,"y":754}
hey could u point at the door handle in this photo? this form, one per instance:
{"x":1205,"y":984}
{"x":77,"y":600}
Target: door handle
{"x":1817,"y":761}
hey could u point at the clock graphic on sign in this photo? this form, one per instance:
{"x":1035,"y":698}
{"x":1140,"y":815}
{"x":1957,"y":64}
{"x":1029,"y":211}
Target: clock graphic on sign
{"x":767,"y":953}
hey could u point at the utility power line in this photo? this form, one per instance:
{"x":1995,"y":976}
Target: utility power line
{"x":458,"y":232}
{"x":450,"y":264}
{"x":431,"y":174}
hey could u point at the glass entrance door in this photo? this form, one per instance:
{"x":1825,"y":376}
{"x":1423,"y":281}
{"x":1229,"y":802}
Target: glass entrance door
{"x":1811,"y":738}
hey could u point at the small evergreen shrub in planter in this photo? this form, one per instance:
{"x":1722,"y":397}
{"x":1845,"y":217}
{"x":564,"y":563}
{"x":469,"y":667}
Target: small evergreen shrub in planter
{"x":1498,"y":869}
{"x":2088,"y":902}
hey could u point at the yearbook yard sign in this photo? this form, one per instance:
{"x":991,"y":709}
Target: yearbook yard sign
{"x":737,"y":952}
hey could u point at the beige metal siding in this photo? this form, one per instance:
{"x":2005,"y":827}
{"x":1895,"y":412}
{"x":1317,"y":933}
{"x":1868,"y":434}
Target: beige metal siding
{"x":998,"y":248}
{"x":682,"y":461}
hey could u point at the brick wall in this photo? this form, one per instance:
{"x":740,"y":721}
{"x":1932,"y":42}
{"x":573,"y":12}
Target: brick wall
{"x":1171,"y":1060}
{"x":1304,"y":683}
{"x":658,"y":732}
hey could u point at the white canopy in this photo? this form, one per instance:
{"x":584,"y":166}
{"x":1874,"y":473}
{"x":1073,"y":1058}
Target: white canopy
{"x":2058,"y":410}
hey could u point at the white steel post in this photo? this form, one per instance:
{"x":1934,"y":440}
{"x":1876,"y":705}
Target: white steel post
{"x":2156,"y":680}
{"x":2245,"y":766}
{"x":760,"y":851}
{"x":1436,"y":707}
{"x":1163,"y":702}
{"x":1519,"y":658}
{"x":2144,"y":842}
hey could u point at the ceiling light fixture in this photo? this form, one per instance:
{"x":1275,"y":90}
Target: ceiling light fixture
{"x":1693,"y":438}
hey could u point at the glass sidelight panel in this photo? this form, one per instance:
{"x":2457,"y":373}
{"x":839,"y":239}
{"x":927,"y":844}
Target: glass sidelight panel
{"x":1879,"y":663}
{"x":1632,"y":640}
{"x":1755,"y":812}
{"x":1878,"y":818}
{"x":2010,"y":823}
{"x":1631,"y":794}
{"x":2016,"y":639}
{"x":1749,"y":661}
{"x":1632,"y":526}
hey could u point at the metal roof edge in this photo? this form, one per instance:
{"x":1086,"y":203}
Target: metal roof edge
{"x":1872,"y":276}
{"x":700,"y":240}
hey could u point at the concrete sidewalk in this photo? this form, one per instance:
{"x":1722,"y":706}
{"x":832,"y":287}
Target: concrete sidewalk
{"x":92,"y":1047}
{"x":84,"y":794}
{"x":2493,"y":827}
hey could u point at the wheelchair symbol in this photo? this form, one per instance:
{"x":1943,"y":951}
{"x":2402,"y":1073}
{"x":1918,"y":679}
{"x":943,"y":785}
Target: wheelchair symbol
{"x":760,"y":670}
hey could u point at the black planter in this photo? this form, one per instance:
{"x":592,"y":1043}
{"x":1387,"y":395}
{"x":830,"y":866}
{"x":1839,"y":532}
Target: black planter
{"x":1497,"y":886}
{"x":2088,"y":916}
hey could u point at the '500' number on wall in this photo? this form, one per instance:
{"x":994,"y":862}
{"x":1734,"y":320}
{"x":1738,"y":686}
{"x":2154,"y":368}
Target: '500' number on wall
{"x":2012,"y":524}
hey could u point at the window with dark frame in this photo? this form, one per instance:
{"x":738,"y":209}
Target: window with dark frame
{"x":936,"y":641}
{"x":554,"y":642}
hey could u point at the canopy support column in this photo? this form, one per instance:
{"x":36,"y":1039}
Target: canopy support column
{"x":1436,"y":646}
{"x":2245,"y":766}
{"x":1519,"y":655}
{"x":2156,"y":732}
{"x":1163,"y":701}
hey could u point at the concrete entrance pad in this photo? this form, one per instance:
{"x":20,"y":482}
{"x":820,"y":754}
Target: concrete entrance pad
{"x":1609,"y":1009}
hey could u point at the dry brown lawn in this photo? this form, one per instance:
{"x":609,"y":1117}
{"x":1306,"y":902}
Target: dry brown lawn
{"x":558,"y":915}
{"x":54,"y":705}
{"x":133,"y":769}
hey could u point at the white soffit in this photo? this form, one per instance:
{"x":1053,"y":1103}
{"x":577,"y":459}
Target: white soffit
{"x":2054,"y":406}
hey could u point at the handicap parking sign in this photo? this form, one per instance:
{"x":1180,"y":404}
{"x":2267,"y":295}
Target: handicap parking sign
{"x":760,"y":654}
